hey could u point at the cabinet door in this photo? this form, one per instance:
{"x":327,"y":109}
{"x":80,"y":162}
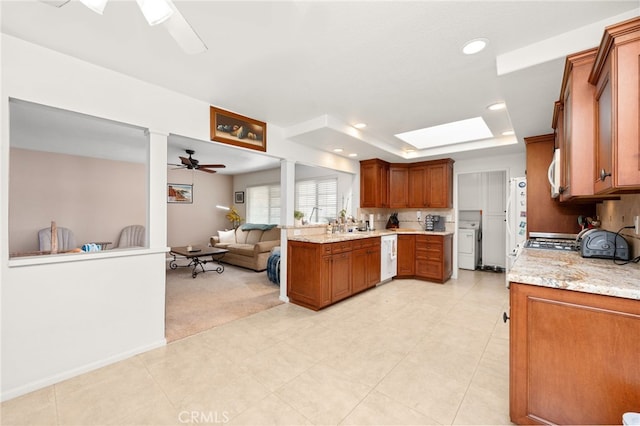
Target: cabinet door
{"x":398,"y":187}
{"x":373,"y":264}
{"x":374,"y":183}
{"x":304,"y":273}
{"x":359,"y":266}
{"x":406,"y":255}
{"x":417,"y":186}
{"x":340,"y":276}
{"x":438,"y":186}
{"x":604,"y":148}
{"x":572,"y":357}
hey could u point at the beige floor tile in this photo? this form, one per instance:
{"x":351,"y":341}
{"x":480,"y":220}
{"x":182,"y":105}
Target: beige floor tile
{"x":323,"y":395}
{"x":35,"y":408}
{"x":379,"y":409}
{"x":278,"y":365}
{"x":271,"y":411}
{"x":226,"y":394}
{"x":417,"y":386}
{"x":480,"y":407}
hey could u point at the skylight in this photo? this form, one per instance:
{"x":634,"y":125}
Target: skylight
{"x":447,"y":134}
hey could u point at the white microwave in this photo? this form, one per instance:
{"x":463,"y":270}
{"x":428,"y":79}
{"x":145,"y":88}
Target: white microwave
{"x":553,"y":174}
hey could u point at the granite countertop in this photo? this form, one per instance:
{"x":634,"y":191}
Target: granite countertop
{"x":570,"y":271}
{"x":348,"y":236}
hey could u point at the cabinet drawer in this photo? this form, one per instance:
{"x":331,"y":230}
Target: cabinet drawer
{"x":429,"y":269}
{"x":365,"y":242}
{"x":326,"y":249}
{"x":341,"y":247}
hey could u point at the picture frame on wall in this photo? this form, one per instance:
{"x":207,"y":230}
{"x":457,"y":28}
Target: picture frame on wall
{"x":239,"y":199}
{"x":179,"y":193}
{"x":235,"y":129}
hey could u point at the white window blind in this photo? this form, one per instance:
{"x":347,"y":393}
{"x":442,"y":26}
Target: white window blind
{"x":263,"y":204}
{"x":317,"y":199}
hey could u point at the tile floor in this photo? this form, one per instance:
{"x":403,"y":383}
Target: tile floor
{"x":406,"y":352}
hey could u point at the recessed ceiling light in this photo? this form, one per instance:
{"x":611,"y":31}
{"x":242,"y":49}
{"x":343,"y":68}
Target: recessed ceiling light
{"x":448,"y":134}
{"x":353,"y":154}
{"x":474,"y":46}
{"x":337,"y":150}
{"x":497,"y":106}
{"x":360,"y":125}
{"x":508,"y":133}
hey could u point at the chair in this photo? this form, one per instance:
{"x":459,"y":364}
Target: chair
{"x":66,"y":239}
{"x":132,"y":236}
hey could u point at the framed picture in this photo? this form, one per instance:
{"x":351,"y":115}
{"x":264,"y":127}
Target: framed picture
{"x":240,"y":197}
{"x":234,"y":129}
{"x":179,"y":193}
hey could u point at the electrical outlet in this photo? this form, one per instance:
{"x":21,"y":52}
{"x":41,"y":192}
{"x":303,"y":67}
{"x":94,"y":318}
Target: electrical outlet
{"x":419,"y":214}
{"x":636,"y":223}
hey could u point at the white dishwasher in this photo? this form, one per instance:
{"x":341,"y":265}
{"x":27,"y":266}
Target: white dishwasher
{"x":388,"y":257}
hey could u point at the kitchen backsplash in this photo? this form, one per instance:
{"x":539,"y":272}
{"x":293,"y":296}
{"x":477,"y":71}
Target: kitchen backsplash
{"x":616,"y":214}
{"x":408,"y":217}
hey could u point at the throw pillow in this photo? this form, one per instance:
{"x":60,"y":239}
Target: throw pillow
{"x":227,"y":237}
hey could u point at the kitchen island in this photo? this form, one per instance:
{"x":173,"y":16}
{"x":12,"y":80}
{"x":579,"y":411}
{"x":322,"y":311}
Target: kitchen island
{"x":326,"y":268}
{"x":574,"y":339}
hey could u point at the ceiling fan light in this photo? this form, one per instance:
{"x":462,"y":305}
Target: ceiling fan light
{"x":155,"y":11}
{"x":96,"y":5}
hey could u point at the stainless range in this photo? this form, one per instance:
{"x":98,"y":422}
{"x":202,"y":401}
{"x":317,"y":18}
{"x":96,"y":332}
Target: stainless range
{"x":552,"y":241}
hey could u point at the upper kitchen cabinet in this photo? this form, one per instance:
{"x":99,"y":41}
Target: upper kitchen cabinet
{"x":398,"y":186}
{"x":374,"y":183}
{"x":431,"y":184}
{"x":546,"y":214}
{"x":616,"y":76}
{"x":575,"y":128}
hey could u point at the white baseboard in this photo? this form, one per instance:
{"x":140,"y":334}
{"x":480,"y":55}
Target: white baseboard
{"x":57,"y":378}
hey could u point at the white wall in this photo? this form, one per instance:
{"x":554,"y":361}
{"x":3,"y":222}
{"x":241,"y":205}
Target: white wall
{"x":52,"y":293}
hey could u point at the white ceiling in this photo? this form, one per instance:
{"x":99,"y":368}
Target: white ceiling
{"x":315,"y":67}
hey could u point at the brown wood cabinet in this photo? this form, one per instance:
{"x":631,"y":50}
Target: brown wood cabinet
{"x":545,"y":214}
{"x":321,"y":274}
{"x":616,"y":76}
{"x":427,"y":184}
{"x":433,"y":257}
{"x":573,"y":356}
{"x":374,"y":183}
{"x":427,"y":257}
{"x":575,"y":127}
{"x":365,"y":264}
{"x":398,"y":186}
{"x":406,"y":256}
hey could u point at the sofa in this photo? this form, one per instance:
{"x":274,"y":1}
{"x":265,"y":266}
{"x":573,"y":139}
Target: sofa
{"x":249,"y":245}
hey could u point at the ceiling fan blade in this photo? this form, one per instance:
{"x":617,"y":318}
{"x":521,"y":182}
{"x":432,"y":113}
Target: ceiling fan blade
{"x":186,"y":161}
{"x":183,"y":33}
{"x":205,"y":170}
{"x":215,"y":166}
{"x":55,"y":3}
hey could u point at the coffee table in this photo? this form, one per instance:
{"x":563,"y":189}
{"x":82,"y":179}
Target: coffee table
{"x":195,"y":256}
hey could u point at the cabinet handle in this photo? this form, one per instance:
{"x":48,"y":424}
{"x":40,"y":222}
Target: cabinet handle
{"x":505,"y":317}
{"x":604,"y":174}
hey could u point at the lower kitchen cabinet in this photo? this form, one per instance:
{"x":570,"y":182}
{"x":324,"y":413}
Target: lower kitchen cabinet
{"x":427,"y":257}
{"x":365,"y":264}
{"x":406,"y":256}
{"x":573,"y":356}
{"x":321,"y":274}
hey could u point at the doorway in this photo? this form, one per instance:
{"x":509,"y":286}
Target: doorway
{"x":484,"y":194}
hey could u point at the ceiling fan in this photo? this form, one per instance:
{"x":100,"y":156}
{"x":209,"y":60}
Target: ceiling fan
{"x":193,"y":164}
{"x":156,"y":12}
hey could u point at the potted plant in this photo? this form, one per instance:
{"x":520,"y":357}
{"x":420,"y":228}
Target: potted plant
{"x":234,"y":217}
{"x":298,"y":215}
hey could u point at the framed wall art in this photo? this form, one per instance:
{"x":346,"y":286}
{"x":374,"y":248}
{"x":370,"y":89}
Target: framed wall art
{"x":239,"y":197}
{"x":234,"y":129}
{"x":179,"y":193}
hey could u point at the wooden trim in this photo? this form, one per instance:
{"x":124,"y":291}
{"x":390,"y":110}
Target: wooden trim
{"x":541,"y":138}
{"x":611,"y":36}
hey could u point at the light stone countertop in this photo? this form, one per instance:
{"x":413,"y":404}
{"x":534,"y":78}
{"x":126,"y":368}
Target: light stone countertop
{"x":348,"y":236}
{"x":570,"y":271}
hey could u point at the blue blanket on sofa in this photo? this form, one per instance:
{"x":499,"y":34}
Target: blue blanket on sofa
{"x":259,"y":226}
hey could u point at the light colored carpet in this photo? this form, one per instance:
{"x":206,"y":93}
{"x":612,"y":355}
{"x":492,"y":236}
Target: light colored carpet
{"x":210,"y":299}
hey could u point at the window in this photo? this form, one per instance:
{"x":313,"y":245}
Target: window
{"x":263,"y":204}
{"x":317,"y":199}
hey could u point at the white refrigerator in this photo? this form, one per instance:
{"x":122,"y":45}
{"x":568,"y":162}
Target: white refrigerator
{"x":516,"y":218}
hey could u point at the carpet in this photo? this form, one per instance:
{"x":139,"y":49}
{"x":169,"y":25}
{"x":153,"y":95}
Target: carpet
{"x":197,"y":304}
